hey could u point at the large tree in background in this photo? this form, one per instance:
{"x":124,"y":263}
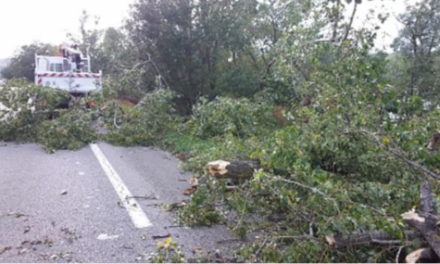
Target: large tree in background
{"x":117,"y":51}
{"x":417,"y":50}
{"x":197,"y":47}
{"x":23,"y":63}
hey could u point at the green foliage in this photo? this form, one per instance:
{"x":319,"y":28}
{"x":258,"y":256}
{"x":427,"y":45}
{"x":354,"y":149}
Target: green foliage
{"x":32,"y":115}
{"x":222,"y":116}
{"x":201,"y":210}
{"x":202,"y":48}
{"x":416,"y":49}
{"x":329,"y":168}
{"x":179,"y":142}
{"x":168,"y":251}
{"x":329,"y":173}
{"x":148,"y":122}
{"x":72,"y":130}
{"x":27,"y":105}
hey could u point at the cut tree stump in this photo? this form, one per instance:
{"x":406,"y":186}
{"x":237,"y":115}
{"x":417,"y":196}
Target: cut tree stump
{"x":420,"y":254}
{"x":237,"y":169}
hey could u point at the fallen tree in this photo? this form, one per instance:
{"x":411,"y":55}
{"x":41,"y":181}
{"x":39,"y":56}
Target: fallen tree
{"x":236,"y":169}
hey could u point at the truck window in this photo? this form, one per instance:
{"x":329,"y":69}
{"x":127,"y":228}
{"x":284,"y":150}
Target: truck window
{"x":67,"y":66}
{"x":56,"y":67}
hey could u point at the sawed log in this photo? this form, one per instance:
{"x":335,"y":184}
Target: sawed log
{"x":236,"y":169}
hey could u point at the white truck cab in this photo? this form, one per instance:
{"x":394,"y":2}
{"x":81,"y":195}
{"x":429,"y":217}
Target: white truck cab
{"x":61,"y":73}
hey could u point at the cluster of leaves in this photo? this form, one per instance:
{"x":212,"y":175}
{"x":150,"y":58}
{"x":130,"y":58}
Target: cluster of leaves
{"x":146,"y":123}
{"x":40,"y":115}
{"x":26,"y":106}
{"x":33,"y":114}
{"x":73,"y":129}
{"x":168,"y":251}
{"x":332,"y":172}
{"x":223,"y":116}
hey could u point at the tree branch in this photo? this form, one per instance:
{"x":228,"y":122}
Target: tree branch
{"x":373,"y":237}
{"x":350,"y":24}
{"x":398,"y":153}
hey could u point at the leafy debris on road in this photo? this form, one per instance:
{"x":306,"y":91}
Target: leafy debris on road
{"x":5,"y":249}
{"x":34,"y":114}
{"x":173,"y":206}
{"x":62,"y":255}
{"x":63,"y":192}
{"x":48,"y":242}
{"x":23,"y":251}
{"x":189,"y":191}
{"x":161,"y":236}
{"x":145,"y":197}
{"x":15,"y":214}
{"x":69,"y":234}
{"x":31,"y":243}
{"x":168,"y":251}
{"x":27,"y":229}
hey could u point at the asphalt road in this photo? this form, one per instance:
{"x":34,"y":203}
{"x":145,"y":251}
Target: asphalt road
{"x":63,"y":207}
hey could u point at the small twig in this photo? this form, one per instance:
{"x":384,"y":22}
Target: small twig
{"x":398,"y":253}
{"x":115,"y":117}
{"x":399,"y":154}
{"x":229,"y":240}
{"x":330,"y":198}
{"x":261,"y":247}
{"x":347,"y":32}
{"x":307,"y":187}
{"x":296,"y":237}
{"x":161,"y":236}
{"x":146,"y":197}
{"x":174,"y":226}
{"x":386,"y":242}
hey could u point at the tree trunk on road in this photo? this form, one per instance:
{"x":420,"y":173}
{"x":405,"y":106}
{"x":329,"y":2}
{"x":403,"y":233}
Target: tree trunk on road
{"x":221,"y":169}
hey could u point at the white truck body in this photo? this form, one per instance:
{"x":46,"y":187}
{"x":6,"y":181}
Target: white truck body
{"x":59,"y":72}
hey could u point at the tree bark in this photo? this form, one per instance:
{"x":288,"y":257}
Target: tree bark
{"x":426,"y":198}
{"x":426,"y":226}
{"x":221,"y":169}
{"x":374,"y":237}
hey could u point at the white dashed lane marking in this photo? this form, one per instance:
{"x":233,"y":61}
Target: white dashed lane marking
{"x":137,"y":215}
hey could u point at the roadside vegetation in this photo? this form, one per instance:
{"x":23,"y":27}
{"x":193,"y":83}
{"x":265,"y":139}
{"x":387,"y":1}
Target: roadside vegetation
{"x":339,"y":130}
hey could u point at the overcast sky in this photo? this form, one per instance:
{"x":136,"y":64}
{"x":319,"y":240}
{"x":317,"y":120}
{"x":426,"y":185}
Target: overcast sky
{"x":391,"y":27}
{"x":25,"y":21}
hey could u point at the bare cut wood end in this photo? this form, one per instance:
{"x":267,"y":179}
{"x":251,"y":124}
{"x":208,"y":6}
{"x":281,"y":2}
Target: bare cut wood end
{"x":194,"y":182}
{"x":236,"y":169}
{"x":422,"y":253}
{"x":433,"y":143}
{"x":331,"y":241}
{"x":413,"y":216}
{"x":218,"y":167}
